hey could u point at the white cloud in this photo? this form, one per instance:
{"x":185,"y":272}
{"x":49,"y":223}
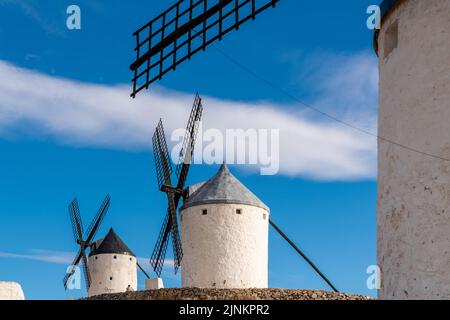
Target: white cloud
{"x":93,"y":115}
{"x":347,"y":85}
{"x":48,"y":256}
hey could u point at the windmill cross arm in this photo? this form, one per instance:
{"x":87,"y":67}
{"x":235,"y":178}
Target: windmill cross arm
{"x":170,"y":189}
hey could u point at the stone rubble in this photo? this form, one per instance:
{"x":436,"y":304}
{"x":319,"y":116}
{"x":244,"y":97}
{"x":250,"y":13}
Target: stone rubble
{"x":230,"y":294}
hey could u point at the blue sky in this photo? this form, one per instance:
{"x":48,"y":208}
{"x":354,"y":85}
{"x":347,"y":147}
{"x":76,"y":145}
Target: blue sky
{"x":68,"y":128}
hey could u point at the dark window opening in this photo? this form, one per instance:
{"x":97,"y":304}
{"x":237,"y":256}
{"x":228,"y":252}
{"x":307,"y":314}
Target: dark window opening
{"x":110,"y":278}
{"x":238,"y":211}
{"x":391,"y":39}
{"x":204,"y":212}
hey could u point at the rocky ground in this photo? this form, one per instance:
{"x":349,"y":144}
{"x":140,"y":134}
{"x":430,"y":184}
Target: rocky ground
{"x":232,"y":294}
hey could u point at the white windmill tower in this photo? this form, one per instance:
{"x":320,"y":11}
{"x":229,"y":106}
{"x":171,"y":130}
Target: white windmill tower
{"x":414,"y":181}
{"x":112,"y":266}
{"x":224,"y":232}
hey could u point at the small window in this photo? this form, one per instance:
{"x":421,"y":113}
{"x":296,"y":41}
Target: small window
{"x":238,"y":211}
{"x":115,"y":257}
{"x":204,"y":212}
{"x":96,"y":258}
{"x":264,"y":216}
{"x":131,"y":259}
{"x":391,"y":39}
{"x":110,"y":278}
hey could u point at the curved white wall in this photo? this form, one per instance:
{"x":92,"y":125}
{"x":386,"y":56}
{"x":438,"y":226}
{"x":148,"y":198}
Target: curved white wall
{"x":413,"y":217}
{"x":112,"y":273}
{"x":11,"y":291}
{"x":223,"y":249}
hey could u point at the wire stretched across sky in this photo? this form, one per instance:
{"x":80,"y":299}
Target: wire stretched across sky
{"x":321,"y":112}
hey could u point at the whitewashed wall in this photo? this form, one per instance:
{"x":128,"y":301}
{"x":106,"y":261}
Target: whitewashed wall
{"x":11,"y":291}
{"x":123,"y":271}
{"x":413,"y":216}
{"x":223,"y":249}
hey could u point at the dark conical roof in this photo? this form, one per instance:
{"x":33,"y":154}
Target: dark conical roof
{"x":112,"y":244}
{"x":223,"y":188}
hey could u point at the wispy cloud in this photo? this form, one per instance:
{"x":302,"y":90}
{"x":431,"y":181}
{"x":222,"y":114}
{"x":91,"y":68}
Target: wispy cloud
{"x":66,"y":258}
{"x":167,"y":271}
{"x":30,"y":8}
{"x":145,"y":263}
{"x":55,"y":257}
{"x":85,"y":114}
{"x":345,"y":85}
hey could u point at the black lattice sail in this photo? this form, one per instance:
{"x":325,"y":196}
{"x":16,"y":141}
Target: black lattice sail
{"x":187,"y":27}
{"x":84,"y":243}
{"x":174,"y":192}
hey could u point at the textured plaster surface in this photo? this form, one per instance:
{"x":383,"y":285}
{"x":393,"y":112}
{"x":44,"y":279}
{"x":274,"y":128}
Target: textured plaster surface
{"x":154,"y":284}
{"x":112,"y":275}
{"x":413,"y":217}
{"x":11,"y":291}
{"x":224,"y":249}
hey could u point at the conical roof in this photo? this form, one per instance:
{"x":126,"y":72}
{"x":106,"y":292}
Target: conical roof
{"x":223,"y":188}
{"x":112,"y":244}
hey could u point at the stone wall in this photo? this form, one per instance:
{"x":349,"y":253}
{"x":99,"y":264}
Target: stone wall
{"x":230,"y":294}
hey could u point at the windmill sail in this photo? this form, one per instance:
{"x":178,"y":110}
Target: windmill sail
{"x":95,"y":224}
{"x":160,"y":249}
{"x":164,"y":170}
{"x":189,"y":139}
{"x":184,"y":29}
{"x":75,"y":219}
{"x":77,"y":228}
{"x":163,"y":165}
{"x":161,"y":152}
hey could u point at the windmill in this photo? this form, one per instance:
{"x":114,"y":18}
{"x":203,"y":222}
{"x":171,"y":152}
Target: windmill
{"x":174,"y":36}
{"x":173,"y":191}
{"x":84,"y":243}
{"x":111,"y":241}
{"x":184,"y":29}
